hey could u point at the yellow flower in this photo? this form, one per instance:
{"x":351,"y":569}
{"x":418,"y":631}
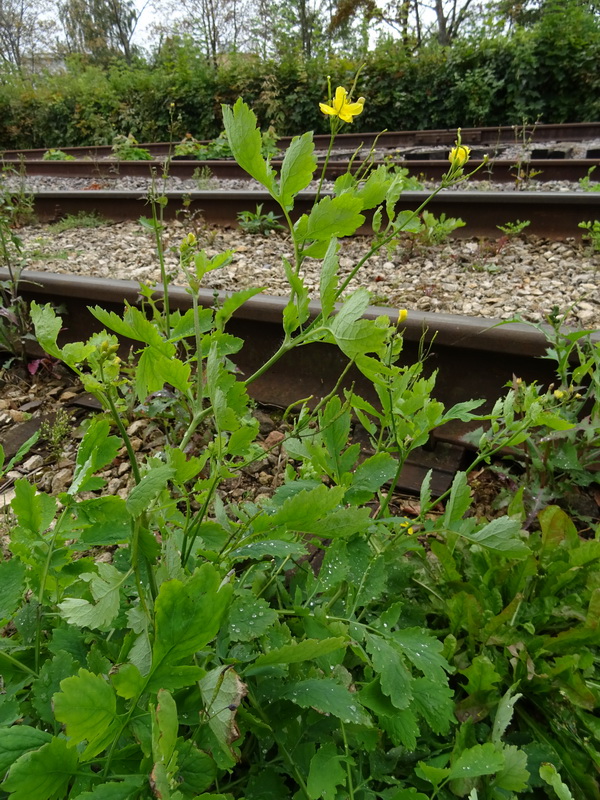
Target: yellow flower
{"x":402,"y":315}
{"x":341,"y":107}
{"x":559,"y":394}
{"x":459,"y":156}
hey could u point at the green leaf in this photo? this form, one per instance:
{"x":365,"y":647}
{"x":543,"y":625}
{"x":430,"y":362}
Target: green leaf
{"x":334,"y":216}
{"x":396,"y":680}
{"x":105,"y":521}
{"x":127,"y":680}
{"x":297,"y":169}
{"x":504,"y":714}
{"x":514,"y":776}
{"x":53,"y":671}
{"x":34,"y":511}
{"x":272,"y":548}
{"x":435,"y":775}
{"x":18,"y":740}
{"x":435,"y":703}
{"x":326,"y":773}
{"x":424,"y":651}
{"x":104,"y":587}
{"x":172,"y":677}
{"x":42,"y":774}
{"x":197,"y":770}
{"x":188,"y":615}
{"x":97,"y":450}
{"x":549,"y":774}
{"x":482,"y":759}
{"x":295,"y":652}
{"x":231,"y":304}
{"x":164,"y":727}
{"x":249,"y":617}
{"x":328,"y":697}
{"x":112,"y":790}
{"x":222,"y":692}
{"x":329,"y":278}
{"x":459,"y":500}
{"x":355,"y":336}
{"x":246,"y":143}
{"x":12,"y":587}
{"x":147,"y":490}
{"x":47,"y":326}
{"x":374,"y":189}
{"x":155,"y":368}
{"x":370,"y":476}
{"x":87,"y":705}
{"x":501,"y":536}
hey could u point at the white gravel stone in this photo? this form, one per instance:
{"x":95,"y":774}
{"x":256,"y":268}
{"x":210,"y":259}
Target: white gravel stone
{"x":527,"y":275}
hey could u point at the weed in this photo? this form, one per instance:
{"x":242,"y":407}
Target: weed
{"x":514,"y":229}
{"x":82,"y":219}
{"x":436,"y":230}
{"x":125,"y":149}
{"x":524,"y":172}
{"x":56,"y":433}
{"x":587,"y":184}
{"x":204,"y":178}
{"x":592,"y":235}
{"x":57,"y":155}
{"x":257,"y":222}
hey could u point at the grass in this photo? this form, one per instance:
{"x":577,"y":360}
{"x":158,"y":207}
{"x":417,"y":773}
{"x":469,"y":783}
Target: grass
{"x":80,"y":220}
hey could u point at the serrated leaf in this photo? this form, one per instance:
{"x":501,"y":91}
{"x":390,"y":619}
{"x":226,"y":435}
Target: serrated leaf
{"x":481,"y":759}
{"x":47,"y":326}
{"x":53,"y":671}
{"x":127,"y":680}
{"x":514,"y":776}
{"x":272,"y":548}
{"x":173,"y":677}
{"x":246,"y":143}
{"x":18,"y":740}
{"x":459,"y":501}
{"x":295,"y":652}
{"x":334,"y":216}
{"x":374,"y":189}
{"x":87,"y":705}
{"x":105,"y":589}
{"x":188,"y":615}
{"x":328,"y":697}
{"x":297,"y":169}
{"x":104,"y":521}
{"x":396,"y":680}
{"x":325,"y":773}
{"x":34,"y":511}
{"x":501,"y":536}
{"x":249,"y":617}
{"x":231,"y":303}
{"x":435,"y":703}
{"x":97,"y":450}
{"x":147,"y":490}
{"x":370,"y":476}
{"x":12,"y":587}
{"x":504,"y":714}
{"x":196,"y":771}
{"x":424,"y":651}
{"x":42,"y":774}
{"x":155,"y":368}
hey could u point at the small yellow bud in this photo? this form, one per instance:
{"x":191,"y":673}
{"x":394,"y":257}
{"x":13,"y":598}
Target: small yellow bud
{"x":578,"y":396}
{"x":402,"y":315}
{"x":459,"y":156}
{"x":558,"y":393}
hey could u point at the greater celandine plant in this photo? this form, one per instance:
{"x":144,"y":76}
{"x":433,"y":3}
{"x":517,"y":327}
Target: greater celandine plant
{"x":209,"y":659}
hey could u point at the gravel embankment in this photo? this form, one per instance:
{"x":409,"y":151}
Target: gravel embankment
{"x":491,"y":279}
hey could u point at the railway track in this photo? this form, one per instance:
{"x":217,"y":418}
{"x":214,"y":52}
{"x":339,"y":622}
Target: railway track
{"x":487,"y":136}
{"x":473,"y":357}
{"x":497,"y":170}
{"x":552,"y":215}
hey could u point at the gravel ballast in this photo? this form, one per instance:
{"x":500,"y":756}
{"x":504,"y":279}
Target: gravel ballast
{"x":498,"y":279}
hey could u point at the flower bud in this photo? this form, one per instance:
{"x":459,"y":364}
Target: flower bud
{"x":459,"y":156}
{"x":402,"y":315}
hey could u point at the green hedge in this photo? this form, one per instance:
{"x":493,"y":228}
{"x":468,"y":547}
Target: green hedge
{"x":548,"y":72}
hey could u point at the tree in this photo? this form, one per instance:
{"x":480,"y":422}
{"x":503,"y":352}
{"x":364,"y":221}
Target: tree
{"x":101,"y":29}
{"x":25,"y":31}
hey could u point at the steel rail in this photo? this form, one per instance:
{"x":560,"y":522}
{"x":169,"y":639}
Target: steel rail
{"x":547,"y":169}
{"x":488,"y":136}
{"x":553,"y":215}
{"x":472,"y":357}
